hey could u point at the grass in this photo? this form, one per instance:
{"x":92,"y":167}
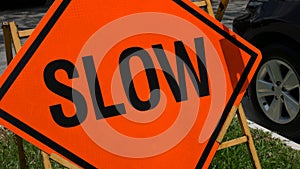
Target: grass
{"x":9,"y":153}
{"x":273,"y":154}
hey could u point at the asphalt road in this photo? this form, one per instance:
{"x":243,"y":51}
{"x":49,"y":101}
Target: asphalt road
{"x":25,"y":18}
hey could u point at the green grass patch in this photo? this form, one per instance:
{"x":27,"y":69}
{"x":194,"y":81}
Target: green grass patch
{"x":9,"y":153}
{"x":273,"y":154}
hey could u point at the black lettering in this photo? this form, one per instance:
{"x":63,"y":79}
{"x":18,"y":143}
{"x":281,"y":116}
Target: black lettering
{"x":182,"y":59}
{"x":65,"y":92}
{"x":101,"y":110}
{"x":127,"y":80}
{"x":200,"y":84}
{"x":168,"y":73}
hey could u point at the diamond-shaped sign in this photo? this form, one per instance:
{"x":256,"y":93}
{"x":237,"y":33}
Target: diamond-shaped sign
{"x":127,"y":84}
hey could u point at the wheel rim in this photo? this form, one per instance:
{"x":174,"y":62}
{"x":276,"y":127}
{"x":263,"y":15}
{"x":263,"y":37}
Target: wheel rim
{"x":277,"y":91}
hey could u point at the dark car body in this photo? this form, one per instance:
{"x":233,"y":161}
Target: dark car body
{"x":269,"y":20}
{"x":273,"y":26}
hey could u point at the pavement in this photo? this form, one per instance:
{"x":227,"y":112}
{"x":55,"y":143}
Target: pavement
{"x":25,"y":18}
{"x":285,"y":140}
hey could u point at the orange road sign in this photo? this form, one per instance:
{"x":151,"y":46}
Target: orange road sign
{"x":127,"y":84}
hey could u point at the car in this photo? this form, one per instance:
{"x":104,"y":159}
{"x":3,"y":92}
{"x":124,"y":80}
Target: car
{"x":273,"y":26}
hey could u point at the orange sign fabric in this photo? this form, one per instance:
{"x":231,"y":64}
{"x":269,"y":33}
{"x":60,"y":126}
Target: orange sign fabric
{"x":127,"y":84}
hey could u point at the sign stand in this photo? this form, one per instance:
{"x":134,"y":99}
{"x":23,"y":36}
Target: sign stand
{"x":206,"y":5}
{"x":239,"y":111}
{"x":246,"y":138}
{"x":60,"y":160}
{"x":7,"y":32}
{"x":221,"y":9}
{"x":12,"y":36}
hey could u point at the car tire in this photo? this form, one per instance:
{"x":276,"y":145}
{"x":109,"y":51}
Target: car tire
{"x":274,"y":90}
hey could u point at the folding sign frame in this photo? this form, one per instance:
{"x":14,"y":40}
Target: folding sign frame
{"x":13,"y":36}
